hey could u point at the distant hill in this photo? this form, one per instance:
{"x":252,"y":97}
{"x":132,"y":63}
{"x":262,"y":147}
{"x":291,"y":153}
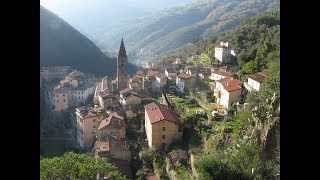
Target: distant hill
{"x":176,"y":27}
{"x":256,"y":40}
{"x":61,"y":44}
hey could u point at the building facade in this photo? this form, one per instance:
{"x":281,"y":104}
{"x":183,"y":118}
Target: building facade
{"x":217,"y":75}
{"x":88,"y":121}
{"x":49,"y":73}
{"x":161,"y":81}
{"x":255,"y":80}
{"x":161,"y":125}
{"x":60,"y":98}
{"x":226,"y":92}
{"x":184,"y":82}
{"x":122,"y":67}
{"x":222,"y":51}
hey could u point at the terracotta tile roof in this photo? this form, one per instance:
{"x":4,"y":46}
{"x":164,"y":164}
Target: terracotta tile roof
{"x":113,"y":120}
{"x":221,"y":46}
{"x":133,"y":85}
{"x":131,"y":95}
{"x":101,"y":145}
{"x":161,"y":75}
{"x":184,"y":76}
{"x":222,"y":73}
{"x":199,"y":70}
{"x":120,"y":112}
{"x":86,"y":111}
{"x":230,"y":84}
{"x":151,"y":73}
{"x":259,"y":77}
{"x":114,"y":142}
{"x":126,"y":90}
{"x":157,"y":112}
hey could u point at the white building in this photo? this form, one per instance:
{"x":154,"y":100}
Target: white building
{"x":52,"y":72}
{"x":254,"y":81}
{"x":217,"y":75}
{"x":161,"y":81}
{"x":222,"y":52}
{"x":226,"y":92}
{"x":184,"y":82}
{"x":104,"y":93}
{"x":81,"y":94}
{"x":170,"y":73}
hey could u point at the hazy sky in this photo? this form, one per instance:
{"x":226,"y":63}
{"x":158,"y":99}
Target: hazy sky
{"x":93,"y":17}
{"x":61,"y":6}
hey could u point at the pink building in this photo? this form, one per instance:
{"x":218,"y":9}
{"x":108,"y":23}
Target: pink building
{"x":88,"y":121}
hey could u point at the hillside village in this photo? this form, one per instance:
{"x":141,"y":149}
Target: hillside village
{"x":110,"y":113}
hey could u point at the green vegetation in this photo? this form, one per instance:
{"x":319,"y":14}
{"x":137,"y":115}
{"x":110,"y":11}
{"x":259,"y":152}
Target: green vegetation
{"x":257,"y":41}
{"x":247,"y":147}
{"x":171,"y":29}
{"x":76,"y":166}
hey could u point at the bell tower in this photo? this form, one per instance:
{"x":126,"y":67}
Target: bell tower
{"x":122,"y":67}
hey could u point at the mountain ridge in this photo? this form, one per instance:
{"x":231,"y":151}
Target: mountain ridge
{"x":61,"y":44}
{"x":176,"y":27}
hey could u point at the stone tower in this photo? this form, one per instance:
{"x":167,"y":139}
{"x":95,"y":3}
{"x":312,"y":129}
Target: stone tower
{"x":122,"y":67}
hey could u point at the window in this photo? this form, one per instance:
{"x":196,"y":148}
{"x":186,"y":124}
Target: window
{"x":64,"y":95}
{"x":94,"y":120}
{"x":57,"y":101}
{"x":75,"y":92}
{"x":64,"y":100}
{"x":81,"y":92}
{"x":75,"y":97}
{"x":57,"y":95}
{"x":78,"y":92}
{"x":163,"y":136}
{"x":94,"y":126}
{"x":81,"y":97}
{"x":163,"y":128}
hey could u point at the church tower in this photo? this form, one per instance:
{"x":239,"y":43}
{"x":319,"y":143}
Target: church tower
{"x":122,"y":67}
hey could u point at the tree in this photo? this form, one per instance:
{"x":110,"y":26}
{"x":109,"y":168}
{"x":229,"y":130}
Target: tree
{"x":76,"y":166}
{"x":147,"y":157}
{"x":251,"y":67}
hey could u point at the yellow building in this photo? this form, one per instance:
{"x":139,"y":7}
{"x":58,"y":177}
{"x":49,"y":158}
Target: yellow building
{"x":161,"y":125}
